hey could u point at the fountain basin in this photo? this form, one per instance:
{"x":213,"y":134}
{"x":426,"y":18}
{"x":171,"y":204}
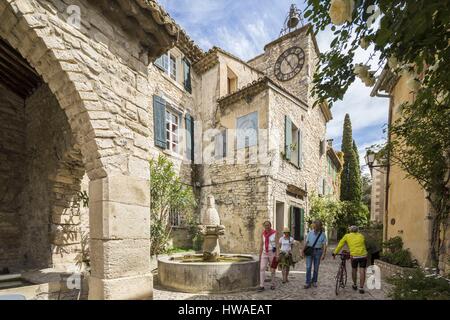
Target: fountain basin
{"x":234,"y":272}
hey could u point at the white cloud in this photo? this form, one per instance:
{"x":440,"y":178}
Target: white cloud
{"x":364,"y":110}
{"x":244,"y":27}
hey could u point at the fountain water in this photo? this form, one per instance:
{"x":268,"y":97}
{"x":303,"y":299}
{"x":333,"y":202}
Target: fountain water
{"x":210,"y":271}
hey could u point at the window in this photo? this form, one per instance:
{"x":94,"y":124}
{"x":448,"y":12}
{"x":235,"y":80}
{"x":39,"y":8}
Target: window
{"x":221,"y":145}
{"x":293,"y":143}
{"x":247,"y":130}
{"x":322,"y":187}
{"x":187,"y":75}
{"x":174,"y":218}
{"x":167,"y":123}
{"x":163,"y":62}
{"x":173,"y":68}
{"x":168,"y":63}
{"x":232,"y":81}
{"x":172,"y":123}
{"x":322,"y":147}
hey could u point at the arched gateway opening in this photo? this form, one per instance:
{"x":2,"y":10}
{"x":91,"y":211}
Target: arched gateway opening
{"x":43,"y":196}
{"x":74,"y":104}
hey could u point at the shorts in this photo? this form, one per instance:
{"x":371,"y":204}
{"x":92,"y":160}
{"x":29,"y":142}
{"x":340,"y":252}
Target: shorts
{"x":362,"y":262}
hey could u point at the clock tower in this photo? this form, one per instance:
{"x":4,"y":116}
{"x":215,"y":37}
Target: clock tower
{"x":290,"y":60}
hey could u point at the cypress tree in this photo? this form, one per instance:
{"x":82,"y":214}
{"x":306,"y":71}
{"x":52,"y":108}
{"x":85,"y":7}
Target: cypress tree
{"x":355,"y":149}
{"x":350,"y":176}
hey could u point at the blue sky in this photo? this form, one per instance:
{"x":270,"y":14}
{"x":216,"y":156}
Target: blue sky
{"x":243,"y":27}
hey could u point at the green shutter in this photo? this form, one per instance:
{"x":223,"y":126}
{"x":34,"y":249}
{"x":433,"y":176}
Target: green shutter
{"x":189,"y":137}
{"x":187,"y":75}
{"x":300,"y":148}
{"x":291,"y":220}
{"x":159,"y":121}
{"x":287,"y":137}
{"x":302,"y":224}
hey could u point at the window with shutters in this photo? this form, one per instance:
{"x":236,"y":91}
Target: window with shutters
{"x":293,"y":143}
{"x":173,"y":67}
{"x":163,"y":62}
{"x":172,"y":126}
{"x":220,"y":150}
{"x":168,"y":64}
{"x":295,"y":146}
{"x":187,"y":75}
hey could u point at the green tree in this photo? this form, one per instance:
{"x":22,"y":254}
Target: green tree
{"x":358,"y":164}
{"x":350,"y":175}
{"x":338,"y":214}
{"x":411,"y":40}
{"x":325,"y":209}
{"x":366,"y":186}
{"x":351,"y":213}
{"x":167,"y":193}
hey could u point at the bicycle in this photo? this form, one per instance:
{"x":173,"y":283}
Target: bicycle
{"x":341,"y":276}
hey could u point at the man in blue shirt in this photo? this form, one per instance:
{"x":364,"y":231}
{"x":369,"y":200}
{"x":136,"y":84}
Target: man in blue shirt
{"x":316,"y":239}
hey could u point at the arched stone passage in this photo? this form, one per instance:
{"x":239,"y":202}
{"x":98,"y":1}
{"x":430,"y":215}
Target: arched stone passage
{"x":101,"y":89}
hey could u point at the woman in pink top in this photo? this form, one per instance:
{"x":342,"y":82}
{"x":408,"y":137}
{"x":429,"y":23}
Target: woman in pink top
{"x":267,"y":252}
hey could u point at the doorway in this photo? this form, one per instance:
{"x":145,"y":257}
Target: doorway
{"x":297,"y":222}
{"x":279,"y":217}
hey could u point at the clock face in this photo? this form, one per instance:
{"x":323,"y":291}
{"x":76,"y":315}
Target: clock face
{"x":289,"y":63}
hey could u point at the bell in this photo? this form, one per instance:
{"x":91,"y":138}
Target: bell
{"x":294,"y":17}
{"x":293,"y":20}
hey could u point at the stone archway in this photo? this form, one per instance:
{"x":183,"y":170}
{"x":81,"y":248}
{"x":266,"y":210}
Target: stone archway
{"x":91,"y":82}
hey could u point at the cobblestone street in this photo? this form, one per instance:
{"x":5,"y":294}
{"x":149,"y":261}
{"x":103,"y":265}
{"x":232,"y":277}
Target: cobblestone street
{"x":293,"y":290}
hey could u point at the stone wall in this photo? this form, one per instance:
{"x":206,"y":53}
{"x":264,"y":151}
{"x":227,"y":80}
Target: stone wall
{"x":300,"y":85}
{"x":51,"y":206}
{"x":312,"y":124}
{"x":41,"y":172}
{"x":388,"y":270}
{"x":12,"y":160}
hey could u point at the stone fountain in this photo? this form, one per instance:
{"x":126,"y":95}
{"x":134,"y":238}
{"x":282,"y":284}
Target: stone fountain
{"x":209,"y":271}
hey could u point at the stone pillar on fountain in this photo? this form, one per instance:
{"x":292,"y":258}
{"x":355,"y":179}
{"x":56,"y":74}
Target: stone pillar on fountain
{"x":211,"y":229}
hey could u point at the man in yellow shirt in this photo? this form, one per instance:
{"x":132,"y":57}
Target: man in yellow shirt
{"x":358,"y":253}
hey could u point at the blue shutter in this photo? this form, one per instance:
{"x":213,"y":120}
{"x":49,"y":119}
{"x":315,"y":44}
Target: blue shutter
{"x":287,"y":137}
{"x":187,"y":75}
{"x":189,"y":137}
{"x":159,"y":121}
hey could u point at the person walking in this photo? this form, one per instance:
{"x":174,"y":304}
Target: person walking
{"x":267,"y":254}
{"x":285,"y":258}
{"x":315,"y":250}
{"x":358,"y":255}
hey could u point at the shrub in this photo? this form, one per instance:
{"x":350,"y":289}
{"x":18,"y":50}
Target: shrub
{"x":395,"y":253}
{"x":167,"y":192}
{"x":419,"y":285}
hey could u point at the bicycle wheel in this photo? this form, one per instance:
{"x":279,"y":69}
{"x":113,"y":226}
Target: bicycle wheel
{"x":344,"y":277}
{"x":338,"y":280}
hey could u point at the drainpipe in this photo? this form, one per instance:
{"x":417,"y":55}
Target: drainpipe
{"x":375,"y":93}
{"x":388,"y":170}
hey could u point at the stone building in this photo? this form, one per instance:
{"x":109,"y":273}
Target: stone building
{"x":91,"y":90}
{"x":75,"y":122}
{"x":332,"y":182}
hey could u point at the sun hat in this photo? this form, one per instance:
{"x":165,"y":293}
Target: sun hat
{"x":286,"y":230}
